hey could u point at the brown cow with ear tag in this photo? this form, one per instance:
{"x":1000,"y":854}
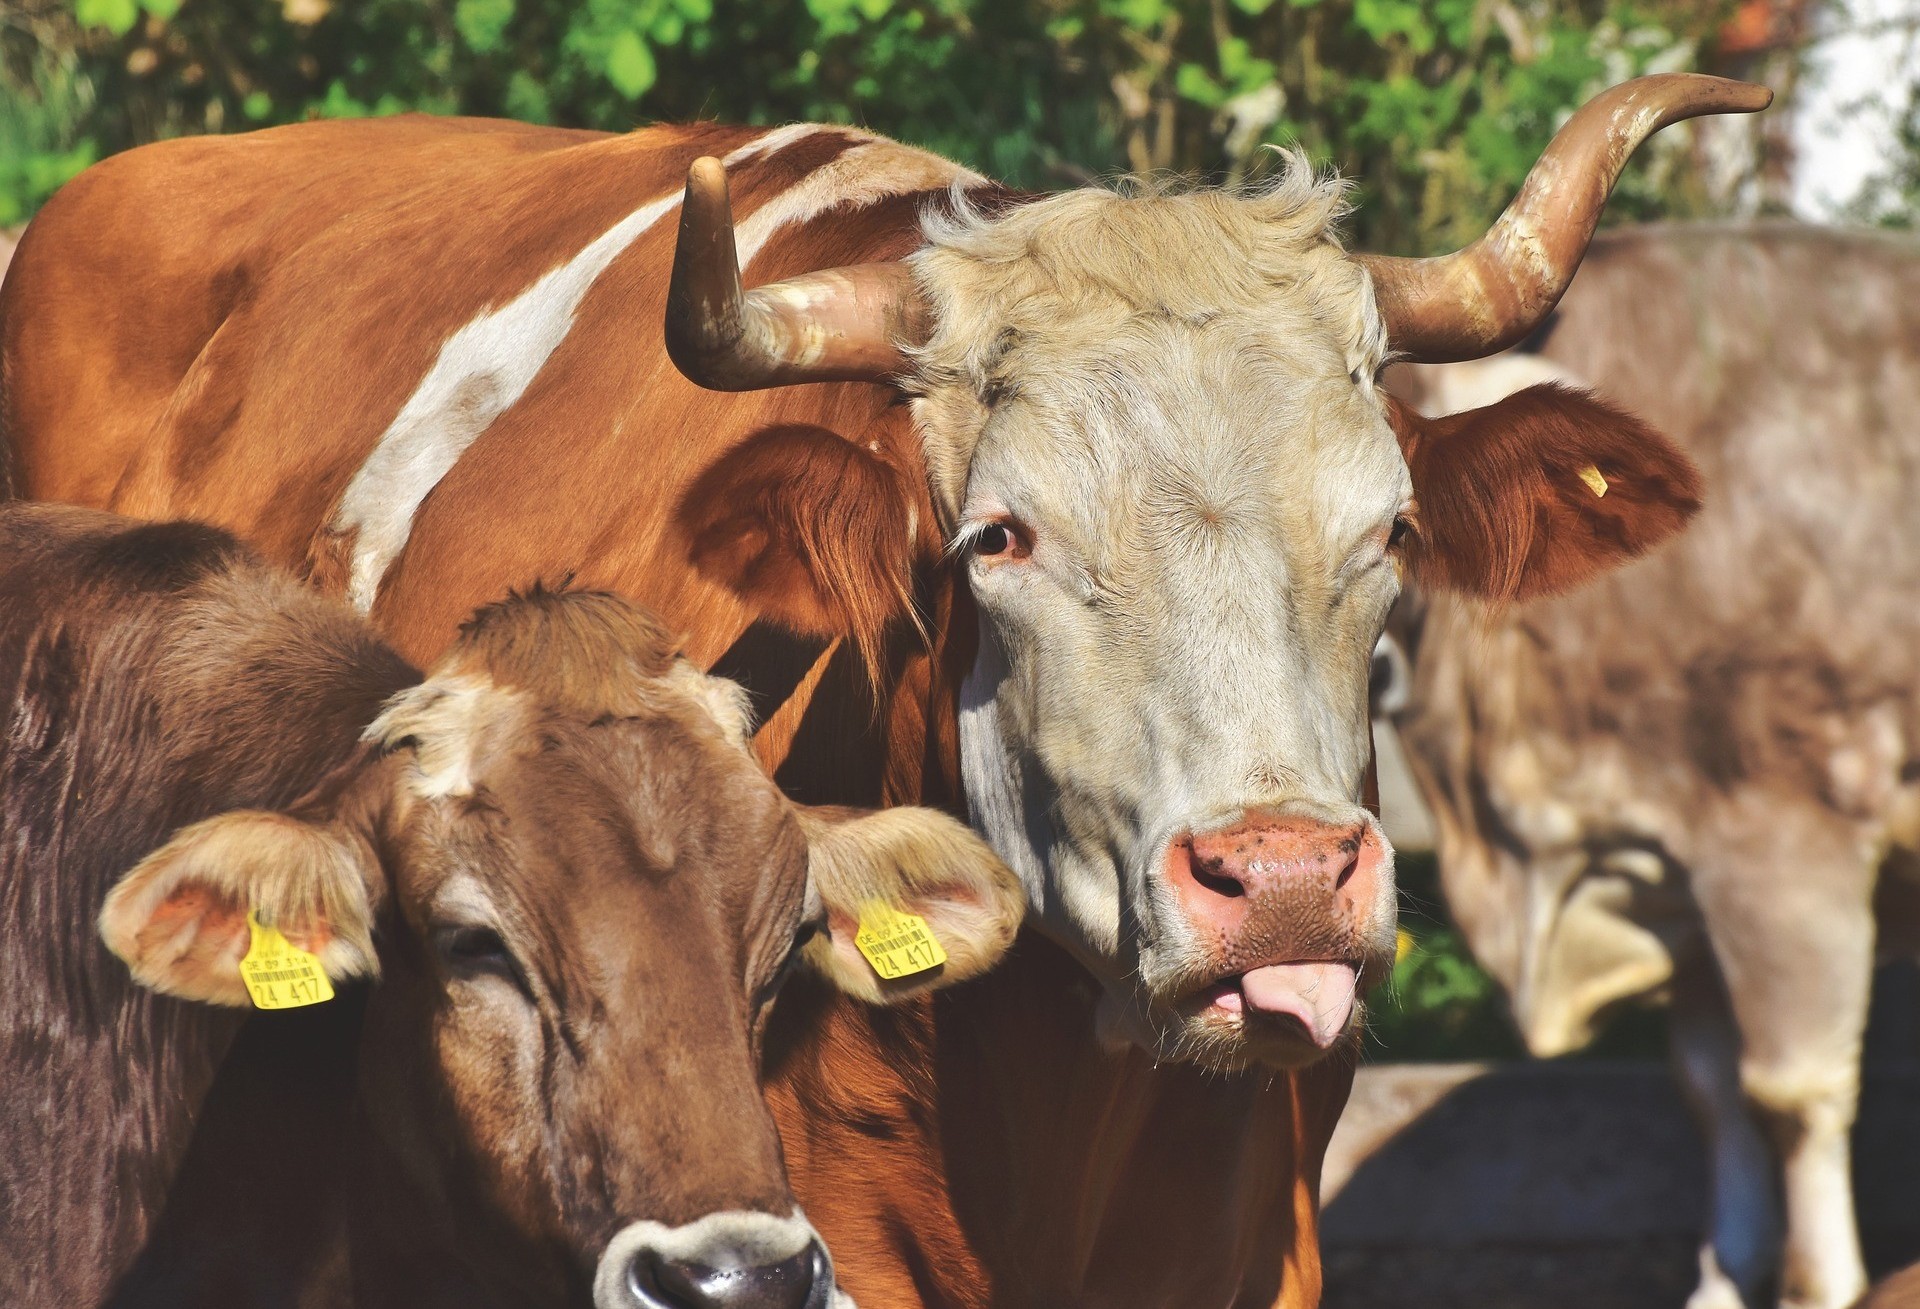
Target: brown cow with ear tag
{"x":574,"y":891}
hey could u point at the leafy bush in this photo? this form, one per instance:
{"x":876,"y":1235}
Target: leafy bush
{"x":1437,"y":108}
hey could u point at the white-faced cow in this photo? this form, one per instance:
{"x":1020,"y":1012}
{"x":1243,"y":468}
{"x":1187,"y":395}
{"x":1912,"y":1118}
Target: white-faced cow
{"x":576,"y":887}
{"x":1702,"y":777}
{"x":1081,"y":512}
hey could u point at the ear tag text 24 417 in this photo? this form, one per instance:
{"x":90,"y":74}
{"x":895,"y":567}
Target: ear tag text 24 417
{"x":278,"y":974}
{"x":897,"y":943}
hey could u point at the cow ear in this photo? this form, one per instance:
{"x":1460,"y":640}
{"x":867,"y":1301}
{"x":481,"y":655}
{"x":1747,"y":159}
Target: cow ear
{"x":907,"y":861}
{"x":179,"y":918}
{"x":1539,"y":492}
{"x":809,"y":529}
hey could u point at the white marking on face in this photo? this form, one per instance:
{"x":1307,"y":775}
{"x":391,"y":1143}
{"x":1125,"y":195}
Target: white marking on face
{"x":462,"y":899}
{"x":445,"y":719}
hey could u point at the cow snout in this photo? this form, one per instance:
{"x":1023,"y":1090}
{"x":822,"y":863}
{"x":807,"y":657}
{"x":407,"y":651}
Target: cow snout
{"x":1229,"y":879}
{"x":791,"y":1283}
{"x":1281,"y":911}
{"x":724,"y":1261}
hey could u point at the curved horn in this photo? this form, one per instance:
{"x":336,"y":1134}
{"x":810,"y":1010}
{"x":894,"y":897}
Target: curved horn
{"x":843,"y":324}
{"x":1486,"y":297}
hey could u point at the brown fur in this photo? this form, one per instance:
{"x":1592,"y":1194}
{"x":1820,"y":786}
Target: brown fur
{"x":811,"y":531}
{"x":108,"y":686}
{"x":1728,"y":732}
{"x":1503,"y":511}
{"x":1900,"y":1291}
{"x":584,"y":650}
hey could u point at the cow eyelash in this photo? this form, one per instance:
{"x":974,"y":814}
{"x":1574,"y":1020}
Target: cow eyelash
{"x":1398,"y":533}
{"x":996,"y":538}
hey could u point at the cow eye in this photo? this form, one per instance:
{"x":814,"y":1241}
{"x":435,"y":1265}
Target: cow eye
{"x":805,"y":933}
{"x":1000,"y":540}
{"x":467,"y":949}
{"x":1397,"y":534}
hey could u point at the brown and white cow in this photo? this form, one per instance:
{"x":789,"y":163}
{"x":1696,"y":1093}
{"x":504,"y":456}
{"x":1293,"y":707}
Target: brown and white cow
{"x":1701,"y":778}
{"x":1090,"y":531}
{"x":577,"y":890}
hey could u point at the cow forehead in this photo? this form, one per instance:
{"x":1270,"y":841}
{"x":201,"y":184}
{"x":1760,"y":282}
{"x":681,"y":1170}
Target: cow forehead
{"x":1189,"y":255}
{"x":666,"y":779}
{"x":1148,"y":332}
{"x":614,"y":830}
{"x":1181,"y":433}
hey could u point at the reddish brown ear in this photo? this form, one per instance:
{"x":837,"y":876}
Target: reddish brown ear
{"x":810,"y":530}
{"x":1539,"y":492}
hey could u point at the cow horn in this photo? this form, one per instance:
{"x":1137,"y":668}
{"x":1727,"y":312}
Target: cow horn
{"x":1482,"y":299}
{"x":842,"y":324}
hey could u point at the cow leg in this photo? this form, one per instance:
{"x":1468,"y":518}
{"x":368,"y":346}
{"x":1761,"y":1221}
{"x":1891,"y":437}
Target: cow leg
{"x":1822,"y":1268}
{"x":1793,"y":931}
{"x":1742,"y":1245}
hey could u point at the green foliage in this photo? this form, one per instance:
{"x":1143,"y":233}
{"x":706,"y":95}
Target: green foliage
{"x":1436,"y":107}
{"x":1438,"y":1004}
{"x":42,"y":142}
{"x":1891,"y":196}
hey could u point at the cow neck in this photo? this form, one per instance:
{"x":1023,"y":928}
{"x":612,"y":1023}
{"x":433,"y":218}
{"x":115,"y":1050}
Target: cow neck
{"x":980,"y":1147}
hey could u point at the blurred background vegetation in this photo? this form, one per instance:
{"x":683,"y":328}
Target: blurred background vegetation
{"x":1436,"y":108}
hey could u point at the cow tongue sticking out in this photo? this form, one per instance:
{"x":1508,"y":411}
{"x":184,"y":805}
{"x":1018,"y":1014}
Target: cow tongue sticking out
{"x":1319,"y":996}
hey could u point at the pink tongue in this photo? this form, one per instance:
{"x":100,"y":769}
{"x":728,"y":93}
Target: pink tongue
{"x":1319,"y":995}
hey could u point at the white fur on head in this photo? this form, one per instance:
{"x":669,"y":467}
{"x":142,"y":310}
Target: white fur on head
{"x":1171,"y":395}
{"x":917,"y":860}
{"x":721,"y":699}
{"x":179,"y":918}
{"x":446,"y":722}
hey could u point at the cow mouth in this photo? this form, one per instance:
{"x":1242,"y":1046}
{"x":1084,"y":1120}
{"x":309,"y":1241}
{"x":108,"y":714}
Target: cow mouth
{"x":1312,"y":1001}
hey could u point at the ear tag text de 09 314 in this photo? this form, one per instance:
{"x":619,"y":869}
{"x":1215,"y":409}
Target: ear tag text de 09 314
{"x":278,"y":974}
{"x":897,"y":943}
{"x":1596,"y":480}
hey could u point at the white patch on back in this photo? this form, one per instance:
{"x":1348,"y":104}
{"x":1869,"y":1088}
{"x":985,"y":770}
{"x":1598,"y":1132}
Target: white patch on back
{"x":487,"y":365}
{"x":782,"y":137}
{"x":483,"y":368}
{"x":856,"y":178}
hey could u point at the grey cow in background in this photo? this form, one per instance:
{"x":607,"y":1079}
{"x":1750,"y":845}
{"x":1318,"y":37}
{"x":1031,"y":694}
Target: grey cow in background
{"x":1700,"y":776}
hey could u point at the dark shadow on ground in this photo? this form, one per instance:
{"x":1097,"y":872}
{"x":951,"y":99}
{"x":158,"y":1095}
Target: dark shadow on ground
{"x":1573,"y":1185}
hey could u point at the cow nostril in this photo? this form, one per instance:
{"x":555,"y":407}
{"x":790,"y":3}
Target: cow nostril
{"x":801,"y":1281}
{"x":1350,"y":852}
{"x":1211,"y":875}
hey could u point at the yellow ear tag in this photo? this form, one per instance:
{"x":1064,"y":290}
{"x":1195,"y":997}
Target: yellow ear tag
{"x":1595,"y":482}
{"x":279,"y":974}
{"x":897,"y":943}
